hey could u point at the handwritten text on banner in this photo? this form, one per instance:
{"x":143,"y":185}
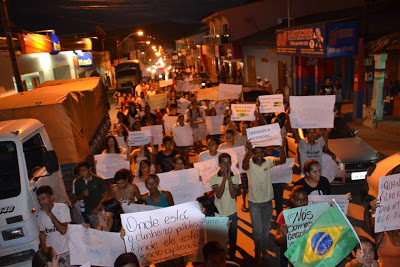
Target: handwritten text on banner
{"x":266,"y":135}
{"x":139,"y":138}
{"x":271,"y":103}
{"x":310,"y":112}
{"x":164,"y":234}
{"x":243,"y":112}
{"x":387,"y":216}
{"x":108,"y":164}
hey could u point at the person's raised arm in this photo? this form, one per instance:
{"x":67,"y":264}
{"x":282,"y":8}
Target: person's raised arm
{"x":282,"y":154}
{"x":247,"y":156}
{"x":295,"y":132}
{"x":326,"y":134}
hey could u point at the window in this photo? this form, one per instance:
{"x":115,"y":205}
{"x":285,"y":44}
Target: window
{"x":10,"y":184}
{"x":33,"y":149}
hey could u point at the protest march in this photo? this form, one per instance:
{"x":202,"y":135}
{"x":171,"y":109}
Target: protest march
{"x":166,"y":189}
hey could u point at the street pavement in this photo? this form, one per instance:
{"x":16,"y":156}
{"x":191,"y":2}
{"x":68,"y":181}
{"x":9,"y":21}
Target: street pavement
{"x":385,"y":143}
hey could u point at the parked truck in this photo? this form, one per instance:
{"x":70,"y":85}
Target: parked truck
{"x":56,"y":125}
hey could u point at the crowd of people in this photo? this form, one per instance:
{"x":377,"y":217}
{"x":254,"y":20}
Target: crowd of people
{"x":99,"y":202}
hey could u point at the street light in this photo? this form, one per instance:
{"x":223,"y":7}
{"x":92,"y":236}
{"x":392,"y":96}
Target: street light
{"x":148,"y":42}
{"x":139,"y":33}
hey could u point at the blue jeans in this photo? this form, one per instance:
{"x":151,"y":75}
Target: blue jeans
{"x":232,"y":235}
{"x":261,"y":215}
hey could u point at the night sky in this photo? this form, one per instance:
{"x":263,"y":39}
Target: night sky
{"x":76,"y":16}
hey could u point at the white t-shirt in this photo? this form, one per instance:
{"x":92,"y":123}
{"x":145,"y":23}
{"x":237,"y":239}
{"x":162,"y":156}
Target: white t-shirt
{"x":308,"y":151}
{"x":225,"y":146}
{"x":205,"y":155}
{"x":151,"y":93}
{"x":53,"y":237}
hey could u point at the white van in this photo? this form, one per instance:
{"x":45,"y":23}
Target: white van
{"x":27,"y":161}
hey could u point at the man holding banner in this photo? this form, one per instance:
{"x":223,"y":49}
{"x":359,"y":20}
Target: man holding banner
{"x":260,"y":194}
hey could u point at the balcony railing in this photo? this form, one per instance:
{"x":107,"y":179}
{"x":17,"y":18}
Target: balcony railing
{"x":216,"y":39}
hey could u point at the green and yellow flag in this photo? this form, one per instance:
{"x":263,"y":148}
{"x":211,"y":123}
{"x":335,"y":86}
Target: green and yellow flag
{"x":326,"y":243}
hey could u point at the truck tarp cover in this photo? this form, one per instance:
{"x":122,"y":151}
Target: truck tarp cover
{"x":71,"y":111}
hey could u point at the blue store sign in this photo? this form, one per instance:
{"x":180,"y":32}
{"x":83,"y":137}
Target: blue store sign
{"x":342,"y":39}
{"x":56,"y":46}
{"x":85,"y":59}
{"x":305,"y":41}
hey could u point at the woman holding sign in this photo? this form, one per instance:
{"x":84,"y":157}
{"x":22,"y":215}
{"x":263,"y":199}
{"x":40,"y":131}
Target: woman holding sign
{"x":112,"y":146}
{"x":313,"y":182}
{"x":155,"y":197}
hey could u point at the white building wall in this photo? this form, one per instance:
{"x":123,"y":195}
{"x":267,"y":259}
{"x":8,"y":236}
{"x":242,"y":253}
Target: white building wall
{"x":265,"y":70}
{"x":44,"y":63}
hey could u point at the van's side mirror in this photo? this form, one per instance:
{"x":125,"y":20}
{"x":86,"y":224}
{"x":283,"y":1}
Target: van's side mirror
{"x":50,"y":161}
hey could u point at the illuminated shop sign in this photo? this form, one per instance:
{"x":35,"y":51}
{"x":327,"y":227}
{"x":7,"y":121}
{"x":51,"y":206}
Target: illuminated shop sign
{"x":85,"y":59}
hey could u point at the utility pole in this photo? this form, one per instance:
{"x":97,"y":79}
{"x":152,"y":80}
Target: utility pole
{"x":292,"y":58}
{"x":6,"y":26}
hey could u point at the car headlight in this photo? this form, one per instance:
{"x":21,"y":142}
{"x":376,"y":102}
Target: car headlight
{"x":341,"y":166}
{"x":13,"y":234}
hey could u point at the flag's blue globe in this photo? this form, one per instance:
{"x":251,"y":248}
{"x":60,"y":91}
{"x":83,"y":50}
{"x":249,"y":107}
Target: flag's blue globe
{"x":321,"y":243}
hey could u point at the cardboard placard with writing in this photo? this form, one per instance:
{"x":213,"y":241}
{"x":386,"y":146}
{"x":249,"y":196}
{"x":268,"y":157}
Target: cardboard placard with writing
{"x":108,"y":164}
{"x":271,"y":103}
{"x":341,"y":200}
{"x":266,"y":135}
{"x":139,"y":138}
{"x":208,"y":94}
{"x":156,"y":131}
{"x":164,"y":234}
{"x":243,"y":112}
{"x":165,"y":83}
{"x":213,"y":124}
{"x":387,"y":216}
{"x":283,"y":173}
{"x":158,"y":101}
{"x":311,"y":112}
{"x":300,"y":219}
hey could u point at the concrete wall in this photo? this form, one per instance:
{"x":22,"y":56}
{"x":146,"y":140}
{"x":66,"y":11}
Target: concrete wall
{"x":44,"y":63}
{"x":265,"y":70}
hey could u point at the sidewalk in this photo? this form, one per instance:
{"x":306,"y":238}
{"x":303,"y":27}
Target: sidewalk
{"x":385,"y":139}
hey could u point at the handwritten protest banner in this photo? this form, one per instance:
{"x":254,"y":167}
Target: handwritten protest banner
{"x":169,"y":121}
{"x":97,"y":247}
{"x":208,"y":167}
{"x":108,"y":164}
{"x":283,"y":173}
{"x":182,"y":105}
{"x":184,"y":185}
{"x":213,"y":124}
{"x":266,"y":135}
{"x":310,"y":112}
{"x":183,"y":136}
{"x":165,"y":83}
{"x":239,"y":151}
{"x":208,"y":94}
{"x":131,"y":208}
{"x":341,"y":200}
{"x":243,"y":112}
{"x":158,"y":101}
{"x":229,"y":91}
{"x":186,"y":86}
{"x":156,"y":131}
{"x":139,"y":138}
{"x":387,"y":216}
{"x":164,"y":234}
{"x":300,"y":219}
{"x":271,"y":103}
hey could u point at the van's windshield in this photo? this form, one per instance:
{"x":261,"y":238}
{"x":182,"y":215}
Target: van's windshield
{"x":10,"y":184}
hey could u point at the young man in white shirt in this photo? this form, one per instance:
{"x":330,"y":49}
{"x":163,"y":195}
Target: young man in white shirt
{"x":212,"y":152}
{"x":53,"y":220}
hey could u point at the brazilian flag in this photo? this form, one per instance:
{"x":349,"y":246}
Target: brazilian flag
{"x":326,"y":243}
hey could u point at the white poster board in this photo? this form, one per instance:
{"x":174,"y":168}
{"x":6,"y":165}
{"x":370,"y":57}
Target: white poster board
{"x":183,"y":136}
{"x":169,"y":121}
{"x":213,"y":124}
{"x":182,"y":105}
{"x":329,"y":167}
{"x":283,"y":173}
{"x":164,"y":234}
{"x":97,"y":247}
{"x":387,"y":216}
{"x":341,"y":200}
{"x":165,"y":83}
{"x":139,"y":138}
{"x":299,"y":220}
{"x":131,"y":208}
{"x":186,"y":86}
{"x":229,"y":91}
{"x":239,"y":151}
{"x":266,"y":135}
{"x":243,"y":112}
{"x":108,"y":164}
{"x":271,"y":103}
{"x":184,"y":185}
{"x":156,"y":131}
{"x":310,"y":112}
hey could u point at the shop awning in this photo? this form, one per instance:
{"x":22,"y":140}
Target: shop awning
{"x":386,"y":44}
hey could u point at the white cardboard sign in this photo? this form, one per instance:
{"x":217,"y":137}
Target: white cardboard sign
{"x":131,"y":208}
{"x":183,"y":136}
{"x":266,"y":135}
{"x":213,"y":124}
{"x":243,"y":112}
{"x":169,"y":121}
{"x":271,"y":103}
{"x":341,"y":200}
{"x":164,"y":234}
{"x":156,"y":131}
{"x":139,"y":138}
{"x":229,"y":91}
{"x":97,"y":247}
{"x":387,"y":216}
{"x":108,"y":164}
{"x":185,"y":86}
{"x":184,"y":185}
{"x":310,"y":112}
{"x":165,"y":83}
{"x":283,"y":173}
